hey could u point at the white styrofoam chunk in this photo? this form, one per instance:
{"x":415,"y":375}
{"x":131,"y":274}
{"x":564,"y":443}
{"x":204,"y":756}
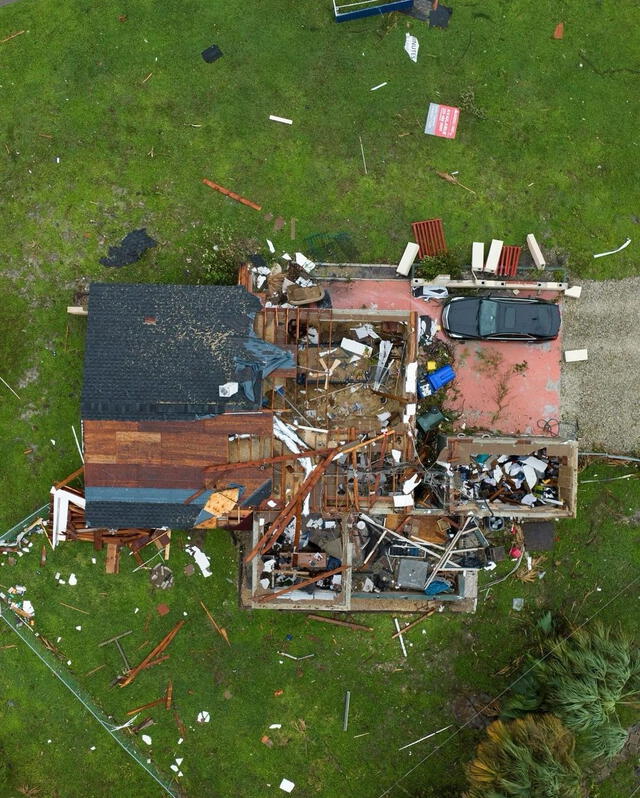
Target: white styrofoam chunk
{"x":493,"y":256}
{"x":574,"y":355}
{"x":477,"y":256}
{"x":408,"y":257}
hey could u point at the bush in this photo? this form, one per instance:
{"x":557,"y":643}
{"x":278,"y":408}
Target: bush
{"x":531,"y":757}
{"x":450,"y":262}
{"x":218,"y":254}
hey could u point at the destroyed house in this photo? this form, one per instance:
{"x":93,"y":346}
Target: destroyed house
{"x":171,"y":373}
{"x":202,"y":408}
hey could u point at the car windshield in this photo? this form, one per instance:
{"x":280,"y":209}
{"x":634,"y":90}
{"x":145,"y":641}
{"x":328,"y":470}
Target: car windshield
{"x":487,"y":318}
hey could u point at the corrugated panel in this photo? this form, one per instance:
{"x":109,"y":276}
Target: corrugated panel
{"x":509,"y":259}
{"x":430,"y":237}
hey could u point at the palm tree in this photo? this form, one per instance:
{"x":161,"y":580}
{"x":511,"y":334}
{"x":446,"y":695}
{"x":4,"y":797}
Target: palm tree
{"x":583,"y":680}
{"x":530,"y":757}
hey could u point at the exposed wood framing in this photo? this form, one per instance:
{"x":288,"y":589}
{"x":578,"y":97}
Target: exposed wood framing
{"x":300,"y":585}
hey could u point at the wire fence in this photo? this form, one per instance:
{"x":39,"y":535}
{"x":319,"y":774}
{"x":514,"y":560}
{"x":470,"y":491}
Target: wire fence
{"x":10,"y":537}
{"x":28,"y":636}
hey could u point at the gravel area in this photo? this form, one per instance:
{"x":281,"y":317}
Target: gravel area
{"x":602,"y":394}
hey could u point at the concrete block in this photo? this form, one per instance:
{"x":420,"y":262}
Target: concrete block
{"x":574,"y":291}
{"x":574,"y":355}
{"x":477,"y":256}
{"x":493,"y":256}
{"x":407,"y":259}
{"x":536,"y":252}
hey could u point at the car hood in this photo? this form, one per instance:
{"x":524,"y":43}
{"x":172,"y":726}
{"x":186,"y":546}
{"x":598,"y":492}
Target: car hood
{"x":462,"y":317}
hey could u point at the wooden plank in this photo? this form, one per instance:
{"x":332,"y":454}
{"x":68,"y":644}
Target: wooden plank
{"x":70,"y":478}
{"x":300,"y":585}
{"x":113,"y":558}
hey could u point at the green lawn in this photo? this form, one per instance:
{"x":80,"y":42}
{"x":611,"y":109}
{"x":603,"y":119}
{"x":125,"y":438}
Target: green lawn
{"x":394,"y":701}
{"x":554,"y":156}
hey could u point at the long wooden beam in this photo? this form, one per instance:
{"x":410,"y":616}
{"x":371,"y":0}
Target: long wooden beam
{"x":277,"y":527}
{"x":70,"y":478}
{"x":300,"y":585}
{"x":227,"y":192}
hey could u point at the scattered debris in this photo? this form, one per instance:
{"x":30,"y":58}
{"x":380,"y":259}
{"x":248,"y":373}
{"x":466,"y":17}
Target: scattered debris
{"x":575,"y":355}
{"x":12,"y":36}
{"x":613,"y":251}
{"x":6,"y":384}
{"x":203,"y":717}
{"x":411,"y":46}
{"x":558,"y":32}
{"x":399,"y":635}
{"x":211,"y":54}
{"x":161,"y":577}
{"x":347,"y":705}
{"x":439,"y":15}
{"x":422,"y":739}
{"x":202,"y":561}
{"x":336,"y":622}
{"x":219,"y":629}
{"x":131,"y":249}
{"x":151,"y":658}
{"x":452,"y":179}
{"x":231,"y":194}
{"x":442,"y":121}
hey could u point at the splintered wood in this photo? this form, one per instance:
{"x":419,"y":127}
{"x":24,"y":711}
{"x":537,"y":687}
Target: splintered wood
{"x":150,"y":659}
{"x":219,"y":629}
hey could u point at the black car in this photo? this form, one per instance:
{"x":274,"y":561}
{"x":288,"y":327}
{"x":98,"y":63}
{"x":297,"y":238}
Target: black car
{"x":501,"y":318}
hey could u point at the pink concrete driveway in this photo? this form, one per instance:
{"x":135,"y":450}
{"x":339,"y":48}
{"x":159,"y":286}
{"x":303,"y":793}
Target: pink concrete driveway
{"x":500,"y":387}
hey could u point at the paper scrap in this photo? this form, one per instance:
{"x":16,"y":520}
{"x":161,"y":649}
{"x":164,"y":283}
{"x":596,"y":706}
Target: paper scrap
{"x":411,"y":47}
{"x":286,"y":785}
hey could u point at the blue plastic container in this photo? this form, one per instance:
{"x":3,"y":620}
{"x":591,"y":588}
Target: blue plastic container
{"x":439,"y":378}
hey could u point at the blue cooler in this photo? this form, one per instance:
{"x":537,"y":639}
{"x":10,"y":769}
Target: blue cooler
{"x":439,"y":378}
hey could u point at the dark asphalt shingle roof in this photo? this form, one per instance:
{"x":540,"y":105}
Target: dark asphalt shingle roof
{"x":122,"y":515}
{"x":161,"y":352}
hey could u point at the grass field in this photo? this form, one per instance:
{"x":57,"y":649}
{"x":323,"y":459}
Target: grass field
{"x":554,"y":155}
{"x":394,"y":701}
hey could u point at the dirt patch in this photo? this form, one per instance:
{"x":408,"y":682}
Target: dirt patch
{"x":600,"y":394}
{"x":30,"y":375}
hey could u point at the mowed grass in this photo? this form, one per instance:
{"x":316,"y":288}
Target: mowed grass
{"x":553,"y":156}
{"x":592,"y":572}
